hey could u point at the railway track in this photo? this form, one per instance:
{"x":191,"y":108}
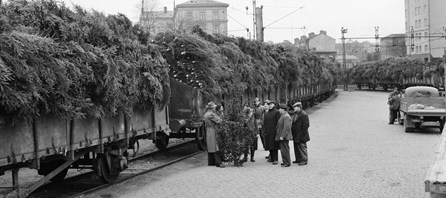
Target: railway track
{"x":87,"y":183}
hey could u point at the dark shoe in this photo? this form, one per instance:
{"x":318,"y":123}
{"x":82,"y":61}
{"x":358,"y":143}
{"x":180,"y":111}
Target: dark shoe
{"x":285,"y":166}
{"x":252,"y":160}
{"x":244,"y":160}
{"x":267,"y":157}
{"x":275,"y":163}
{"x":281,"y":164}
{"x":296,"y":162}
{"x":270,"y":161}
{"x":303,"y":163}
{"x":221,"y":166}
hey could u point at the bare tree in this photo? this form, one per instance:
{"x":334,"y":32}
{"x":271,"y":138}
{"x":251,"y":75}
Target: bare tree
{"x":146,"y":18}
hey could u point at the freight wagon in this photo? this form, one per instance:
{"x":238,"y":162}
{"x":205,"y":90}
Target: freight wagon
{"x":373,"y":84}
{"x":52,"y":145}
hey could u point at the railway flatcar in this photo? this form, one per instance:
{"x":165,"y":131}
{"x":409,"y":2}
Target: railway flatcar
{"x":52,"y":145}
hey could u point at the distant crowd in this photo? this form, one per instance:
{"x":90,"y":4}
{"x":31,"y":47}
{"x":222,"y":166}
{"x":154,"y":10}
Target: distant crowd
{"x":275,"y":124}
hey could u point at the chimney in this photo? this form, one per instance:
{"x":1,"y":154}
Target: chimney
{"x":165,"y":9}
{"x":323,"y":32}
{"x":311,"y":35}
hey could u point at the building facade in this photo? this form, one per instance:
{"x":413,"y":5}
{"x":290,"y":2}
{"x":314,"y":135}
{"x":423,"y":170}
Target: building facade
{"x":321,"y":44}
{"x":425,"y":22}
{"x":210,"y":15}
{"x":156,"y":21}
{"x":393,"y":46}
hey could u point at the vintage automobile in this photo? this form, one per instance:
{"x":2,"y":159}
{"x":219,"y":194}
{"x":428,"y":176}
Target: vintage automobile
{"x":422,"y":106}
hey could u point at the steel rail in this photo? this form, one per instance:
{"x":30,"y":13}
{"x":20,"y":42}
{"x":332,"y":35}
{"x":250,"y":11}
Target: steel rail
{"x":95,"y":189}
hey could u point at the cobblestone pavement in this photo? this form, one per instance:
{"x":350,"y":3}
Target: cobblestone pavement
{"x":353,"y":152}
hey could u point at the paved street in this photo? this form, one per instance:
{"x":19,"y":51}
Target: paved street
{"x":353,"y":152}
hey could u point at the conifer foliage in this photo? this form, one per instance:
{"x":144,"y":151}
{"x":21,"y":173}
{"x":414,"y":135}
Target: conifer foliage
{"x":75,"y":63}
{"x":394,"y":70}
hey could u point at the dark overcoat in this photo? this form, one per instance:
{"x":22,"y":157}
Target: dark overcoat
{"x":300,"y":126}
{"x":394,"y":100}
{"x":270,"y":126}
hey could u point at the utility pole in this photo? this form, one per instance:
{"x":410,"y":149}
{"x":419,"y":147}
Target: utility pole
{"x":444,"y":65}
{"x":254,"y":19}
{"x":259,"y":23}
{"x":344,"y":62}
{"x":412,"y":44}
{"x":376,"y":39}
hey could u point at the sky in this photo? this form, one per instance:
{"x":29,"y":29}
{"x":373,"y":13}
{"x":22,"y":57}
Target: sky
{"x":297,"y":17}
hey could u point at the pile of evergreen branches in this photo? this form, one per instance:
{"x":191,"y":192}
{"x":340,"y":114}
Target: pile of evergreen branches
{"x":217,"y":64}
{"x":78,"y":63}
{"x":394,"y":70}
{"x":75,"y":63}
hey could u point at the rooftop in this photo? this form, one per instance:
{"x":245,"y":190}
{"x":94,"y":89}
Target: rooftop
{"x":202,"y":3}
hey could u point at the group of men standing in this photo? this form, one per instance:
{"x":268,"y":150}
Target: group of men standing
{"x":280,"y":124}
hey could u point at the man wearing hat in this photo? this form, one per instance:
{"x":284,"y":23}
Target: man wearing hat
{"x":258,"y":116}
{"x":283,"y":135}
{"x":270,"y":129}
{"x":394,"y":104}
{"x":211,"y":119}
{"x":300,"y":134}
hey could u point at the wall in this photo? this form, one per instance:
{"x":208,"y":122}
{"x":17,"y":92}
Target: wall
{"x":208,"y":23}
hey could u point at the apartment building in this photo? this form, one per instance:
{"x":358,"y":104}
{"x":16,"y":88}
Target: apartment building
{"x":425,"y":23}
{"x":210,"y":15}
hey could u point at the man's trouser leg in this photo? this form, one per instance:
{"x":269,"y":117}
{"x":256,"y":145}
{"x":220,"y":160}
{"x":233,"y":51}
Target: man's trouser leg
{"x":285,"y":152}
{"x":300,"y":152}
{"x":211,"y":159}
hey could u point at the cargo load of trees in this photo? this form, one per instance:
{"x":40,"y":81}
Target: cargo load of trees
{"x":395,"y":70}
{"x":216,"y":64}
{"x":78,"y":63}
{"x":75,"y":63}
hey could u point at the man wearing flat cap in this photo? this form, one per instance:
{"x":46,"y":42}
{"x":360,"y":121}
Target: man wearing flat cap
{"x":299,"y":130}
{"x":270,"y":129}
{"x":283,"y":135}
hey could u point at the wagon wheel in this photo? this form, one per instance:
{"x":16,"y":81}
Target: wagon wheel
{"x":162,"y":140}
{"x":106,"y":174}
{"x":48,"y":167}
{"x":200,"y":137}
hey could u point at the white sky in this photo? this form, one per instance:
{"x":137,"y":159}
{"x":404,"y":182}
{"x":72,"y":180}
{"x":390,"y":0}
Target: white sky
{"x":360,"y":17}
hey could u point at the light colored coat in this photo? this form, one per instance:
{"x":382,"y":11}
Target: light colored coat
{"x":211,"y":119}
{"x":284,"y":127}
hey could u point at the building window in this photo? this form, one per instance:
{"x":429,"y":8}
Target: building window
{"x":215,"y":16}
{"x":202,"y":16}
{"x":216,"y":30}
{"x":425,"y":22}
{"x":189,"y":15}
{"x":425,"y":48}
{"x":425,"y":9}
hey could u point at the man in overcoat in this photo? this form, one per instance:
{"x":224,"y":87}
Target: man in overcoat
{"x":258,"y":116}
{"x":211,"y":119}
{"x":270,"y":126}
{"x":283,"y":135}
{"x":299,"y":130}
